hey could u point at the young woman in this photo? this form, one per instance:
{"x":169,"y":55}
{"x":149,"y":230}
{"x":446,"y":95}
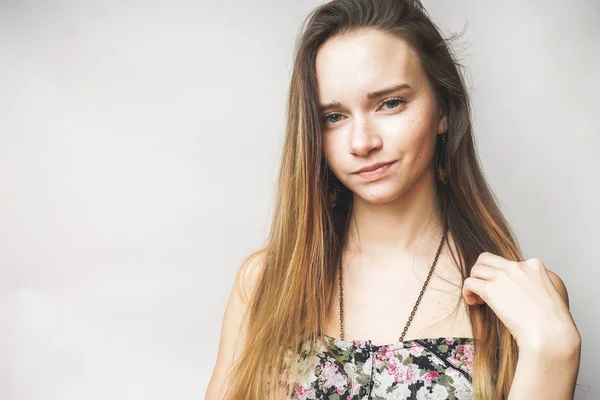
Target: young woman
{"x":390,"y":271}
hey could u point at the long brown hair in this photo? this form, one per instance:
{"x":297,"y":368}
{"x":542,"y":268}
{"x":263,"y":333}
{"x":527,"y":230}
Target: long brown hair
{"x":294,"y":291}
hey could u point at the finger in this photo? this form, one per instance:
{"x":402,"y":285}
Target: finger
{"x":484,"y":271}
{"x":474,"y":291}
{"x":493,"y":260}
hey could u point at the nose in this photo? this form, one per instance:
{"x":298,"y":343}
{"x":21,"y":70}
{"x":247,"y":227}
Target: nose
{"x":364,"y":138}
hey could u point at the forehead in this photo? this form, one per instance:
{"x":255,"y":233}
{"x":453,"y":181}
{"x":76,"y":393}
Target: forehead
{"x":361,"y":61}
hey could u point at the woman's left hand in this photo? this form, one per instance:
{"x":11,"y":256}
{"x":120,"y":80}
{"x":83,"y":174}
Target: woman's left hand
{"x":525,"y":299}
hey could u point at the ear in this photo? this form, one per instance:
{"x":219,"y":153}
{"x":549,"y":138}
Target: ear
{"x":442,"y":125}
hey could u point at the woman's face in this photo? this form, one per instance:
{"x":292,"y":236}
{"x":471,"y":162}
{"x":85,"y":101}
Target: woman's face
{"x":377,"y":108}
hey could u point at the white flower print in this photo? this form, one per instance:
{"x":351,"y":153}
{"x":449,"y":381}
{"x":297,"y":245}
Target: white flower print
{"x":399,"y":392}
{"x":306,"y":380}
{"x":436,"y":361}
{"x":452,"y":373}
{"x":439,"y":393}
{"x":462,"y":393}
{"x":350,"y":370}
{"x":367,"y":366}
{"x":384,"y":381}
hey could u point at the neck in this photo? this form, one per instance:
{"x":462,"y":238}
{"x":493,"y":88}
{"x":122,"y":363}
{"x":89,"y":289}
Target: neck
{"x":410,"y":223}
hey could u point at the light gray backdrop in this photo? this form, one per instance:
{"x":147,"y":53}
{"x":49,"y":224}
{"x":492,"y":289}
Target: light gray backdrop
{"x":139,"y":142}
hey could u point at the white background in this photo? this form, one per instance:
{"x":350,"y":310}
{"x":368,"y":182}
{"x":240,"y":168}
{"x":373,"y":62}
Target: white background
{"x":139,"y":146}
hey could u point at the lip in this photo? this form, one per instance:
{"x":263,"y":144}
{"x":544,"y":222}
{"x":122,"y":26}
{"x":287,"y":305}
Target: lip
{"x":374,"y":172}
{"x":373,"y":167}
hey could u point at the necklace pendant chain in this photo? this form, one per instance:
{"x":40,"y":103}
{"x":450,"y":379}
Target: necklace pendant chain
{"x":414,"y":310}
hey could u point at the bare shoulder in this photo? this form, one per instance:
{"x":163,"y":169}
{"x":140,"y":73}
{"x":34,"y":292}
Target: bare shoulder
{"x":233,"y":328}
{"x":559,"y":285}
{"x":248,"y":274}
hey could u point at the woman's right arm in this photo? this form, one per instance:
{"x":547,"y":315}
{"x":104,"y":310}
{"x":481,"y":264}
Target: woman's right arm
{"x":233,"y":328}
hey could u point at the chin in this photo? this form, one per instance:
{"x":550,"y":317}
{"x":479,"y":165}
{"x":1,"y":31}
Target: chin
{"x":378,"y":196}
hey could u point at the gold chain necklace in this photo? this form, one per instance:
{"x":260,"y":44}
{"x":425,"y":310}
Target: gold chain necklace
{"x":412,"y":314}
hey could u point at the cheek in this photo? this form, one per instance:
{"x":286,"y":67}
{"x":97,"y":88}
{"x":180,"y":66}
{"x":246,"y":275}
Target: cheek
{"x":417,"y":139}
{"x":329,"y":150}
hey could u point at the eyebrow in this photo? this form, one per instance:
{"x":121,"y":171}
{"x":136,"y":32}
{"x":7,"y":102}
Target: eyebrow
{"x":370,"y":95}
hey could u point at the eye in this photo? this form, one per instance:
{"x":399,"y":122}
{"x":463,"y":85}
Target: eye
{"x":332,"y":118}
{"x":393,"y":103}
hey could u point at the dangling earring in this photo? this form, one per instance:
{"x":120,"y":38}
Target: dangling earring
{"x":334,"y":195}
{"x":440,"y":158}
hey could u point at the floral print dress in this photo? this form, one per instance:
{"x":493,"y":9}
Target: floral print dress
{"x":419,"y":369}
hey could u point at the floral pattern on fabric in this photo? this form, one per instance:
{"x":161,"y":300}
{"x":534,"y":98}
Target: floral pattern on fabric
{"x":419,"y":369}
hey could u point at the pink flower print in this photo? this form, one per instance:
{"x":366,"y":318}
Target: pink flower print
{"x":411,"y":373}
{"x":388,"y":354}
{"x":416,"y":349}
{"x":378,"y":363}
{"x":394,"y":371}
{"x":463,"y":356}
{"x":417,"y":371}
{"x":449,"y":340}
{"x":430,"y":376}
{"x":454,"y":360}
{"x":404,"y":373}
{"x":467,"y":350}
{"x":285,"y":377}
{"x":331,"y":376}
{"x":452,"y":373}
{"x":302,"y":393}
